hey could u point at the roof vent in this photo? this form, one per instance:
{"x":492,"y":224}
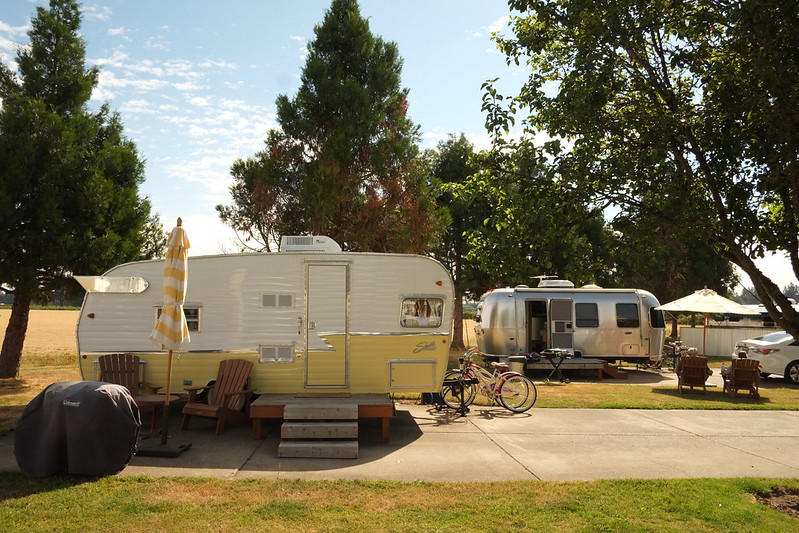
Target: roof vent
{"x":308,"y":244}
{"x":555,"y":284}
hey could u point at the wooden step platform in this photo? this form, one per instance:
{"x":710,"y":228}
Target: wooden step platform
{"x":582,"y":363}
{"x":319,"y":425}
{"x":319,"y":428}
{"x":320,"y":449}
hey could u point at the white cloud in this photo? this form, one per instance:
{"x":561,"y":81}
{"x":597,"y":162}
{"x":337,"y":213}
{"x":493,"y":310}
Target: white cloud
{"x":210,"y":63}
{"x":155,"y":43}
{"x":233,"y":85}
{"x":199,"y":131}
{"x":186,"y":86}
{"x":138,"y":106}
{"x":303,"y":46}
{"x":500,"y":24}
{"x":10,"y":39}
{"x":118,"y":72}
{"x":200,"y":101}
{"x":14,"y":31}
{"x":119,"y":32}
{"x":102,"y":13}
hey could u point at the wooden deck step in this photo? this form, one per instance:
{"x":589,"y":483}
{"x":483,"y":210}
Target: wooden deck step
{"x":331,"y":449}
{"x":614,"y":372}
{"x":328,"y":429}
{"x":320,"y":411}
{"x":319,"y":429}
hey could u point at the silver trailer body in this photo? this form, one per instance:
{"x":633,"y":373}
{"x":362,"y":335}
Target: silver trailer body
{"x":611,"y":324}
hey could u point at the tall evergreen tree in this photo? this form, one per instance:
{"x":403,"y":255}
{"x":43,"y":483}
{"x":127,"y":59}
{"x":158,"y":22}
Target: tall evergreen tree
{"x":345,"y":161}
{"x":68,"y":178}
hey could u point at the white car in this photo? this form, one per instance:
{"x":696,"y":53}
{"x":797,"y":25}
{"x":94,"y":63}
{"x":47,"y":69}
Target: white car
{"x":777,"y":352}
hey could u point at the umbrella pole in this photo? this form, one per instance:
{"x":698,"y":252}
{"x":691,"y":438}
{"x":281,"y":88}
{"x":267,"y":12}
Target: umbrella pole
{"x":165,"y":414}
{"x":162,"y":449}
{"x":704,"y":337}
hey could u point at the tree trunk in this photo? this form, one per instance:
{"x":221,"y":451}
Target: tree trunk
{"x":11,"y":354}
{"x":457,"y":324}
{"x":779,"y":307}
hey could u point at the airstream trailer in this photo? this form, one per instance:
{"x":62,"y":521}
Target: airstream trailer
{"x":311,"y":319}
{"x":610,"y":324}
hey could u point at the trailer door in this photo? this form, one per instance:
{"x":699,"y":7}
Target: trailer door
{"x":561,"y":323}
{"x":327,"y":336}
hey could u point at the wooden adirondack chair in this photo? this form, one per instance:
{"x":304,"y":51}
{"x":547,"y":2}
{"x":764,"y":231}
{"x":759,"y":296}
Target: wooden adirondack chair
{"x":224,"y":401}
{"x":744,"y":374}
{"x":124,"y":369}
{"x":693,"y":373}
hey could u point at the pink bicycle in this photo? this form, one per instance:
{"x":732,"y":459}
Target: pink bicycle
{"x":512,"y":390}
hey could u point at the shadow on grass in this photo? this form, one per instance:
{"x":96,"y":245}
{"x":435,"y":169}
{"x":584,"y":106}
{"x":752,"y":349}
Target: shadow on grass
{"x":15,"y":485}
{"x":9,"y":415}
{"x":713,"y":398}
{"x":9,"y":386}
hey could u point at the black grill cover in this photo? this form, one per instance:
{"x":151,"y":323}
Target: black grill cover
{"x":81,"y":427}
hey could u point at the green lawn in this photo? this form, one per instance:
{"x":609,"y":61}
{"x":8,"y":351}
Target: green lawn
{"x":191,"y":505}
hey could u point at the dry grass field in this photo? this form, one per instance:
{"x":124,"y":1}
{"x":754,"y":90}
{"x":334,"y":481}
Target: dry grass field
{"x":49,"y":355}
{"x":50,"y":333}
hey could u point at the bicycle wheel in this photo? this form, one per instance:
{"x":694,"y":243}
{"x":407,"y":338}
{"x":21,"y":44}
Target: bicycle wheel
{"x":451,"y":395}
{"x":517,"y":393}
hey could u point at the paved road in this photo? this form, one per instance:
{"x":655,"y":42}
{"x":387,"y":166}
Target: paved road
{"x":491,"y":444}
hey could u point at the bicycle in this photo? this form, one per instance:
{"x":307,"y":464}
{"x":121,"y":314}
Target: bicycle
{"x":511,"y":390}
{"x":674,"y":351}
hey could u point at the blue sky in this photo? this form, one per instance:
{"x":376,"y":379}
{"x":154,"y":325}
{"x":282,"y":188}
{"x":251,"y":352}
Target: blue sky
{"x":195,"y":82}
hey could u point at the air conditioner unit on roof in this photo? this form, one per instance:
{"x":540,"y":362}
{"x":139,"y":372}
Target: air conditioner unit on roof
{"x":308,"y":244}
{"x":556,"y":284}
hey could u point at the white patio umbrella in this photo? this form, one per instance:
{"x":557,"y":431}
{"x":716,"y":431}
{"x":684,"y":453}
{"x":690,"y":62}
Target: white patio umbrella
{"x":171,"y":331}
{"x":706,"y":301}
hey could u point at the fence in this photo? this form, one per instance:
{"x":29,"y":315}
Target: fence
{"x":721,"y":340}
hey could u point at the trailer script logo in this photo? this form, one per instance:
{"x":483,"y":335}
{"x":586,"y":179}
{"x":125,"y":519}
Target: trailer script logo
{"x":425,"y":347}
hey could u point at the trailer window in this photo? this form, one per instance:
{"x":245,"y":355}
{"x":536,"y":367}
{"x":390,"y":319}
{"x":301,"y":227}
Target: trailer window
{"x":277,"y":300}
{"x":421,"y":312}
{"x":586,"y":315}
{"x":627,"y":316}
{"x":276,"y":354}
{"x":656,"y":319}
{"x":191,"y":312}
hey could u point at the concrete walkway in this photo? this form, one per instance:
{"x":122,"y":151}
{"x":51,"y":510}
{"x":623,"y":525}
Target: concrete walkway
{"x":491,"y":444}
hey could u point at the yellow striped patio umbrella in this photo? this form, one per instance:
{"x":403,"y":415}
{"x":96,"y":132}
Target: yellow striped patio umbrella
{"x":171,"y":331}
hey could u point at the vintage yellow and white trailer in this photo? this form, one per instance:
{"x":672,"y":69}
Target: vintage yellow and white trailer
{"x":311,"y":318}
